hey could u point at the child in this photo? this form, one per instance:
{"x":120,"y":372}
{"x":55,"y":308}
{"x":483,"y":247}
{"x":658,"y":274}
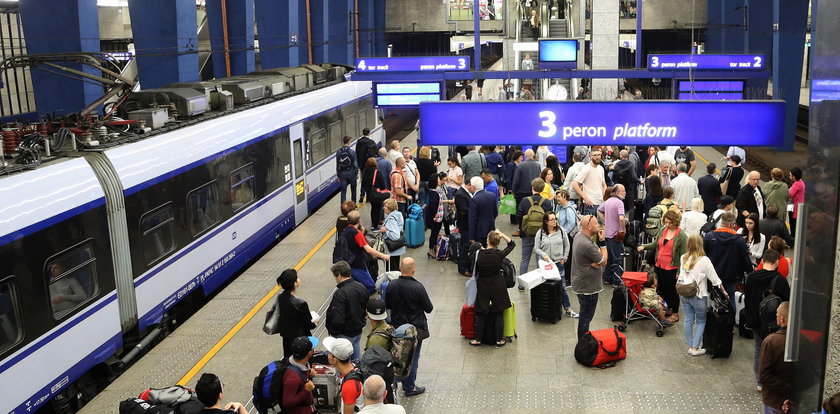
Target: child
{"x":650,"y":300}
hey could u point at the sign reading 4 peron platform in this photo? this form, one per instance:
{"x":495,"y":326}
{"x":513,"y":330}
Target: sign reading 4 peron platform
{"x":747,"y":123}
{"x":413,"y":64}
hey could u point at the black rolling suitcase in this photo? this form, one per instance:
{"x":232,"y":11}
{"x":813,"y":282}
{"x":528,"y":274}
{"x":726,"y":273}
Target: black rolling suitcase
{"x":546,"y":301}
{"x":720,"y":323}
{"x":638,"y":210}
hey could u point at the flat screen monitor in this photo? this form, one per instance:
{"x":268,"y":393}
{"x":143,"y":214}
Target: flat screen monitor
{"x":558,"y":53}
{"x":405,"y":94}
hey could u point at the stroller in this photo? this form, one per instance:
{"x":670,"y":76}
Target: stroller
{"x":633,"y":284}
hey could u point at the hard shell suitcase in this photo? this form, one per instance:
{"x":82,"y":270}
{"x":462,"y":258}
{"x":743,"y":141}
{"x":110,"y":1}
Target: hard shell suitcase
{"x":326,"y":395}
{"x":415,"y":232}
{"x":546,"y":301}
{"x":468,"y":322}
{"x":455,"y":246}
{"x":720,"y":322}
{"x":509,"y":321}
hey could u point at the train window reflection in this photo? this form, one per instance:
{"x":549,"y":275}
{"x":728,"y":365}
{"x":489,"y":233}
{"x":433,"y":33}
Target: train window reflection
{"x":157,"y":228}
{"x":241,"y":187}
{"x":318,"y":144}
{"x":203,"y":207}
{"x":10,"y":329}
{"x":72,"y":279}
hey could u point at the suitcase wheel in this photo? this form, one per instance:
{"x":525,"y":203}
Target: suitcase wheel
{"x":660,"y":333}
{"x":623,"y":327}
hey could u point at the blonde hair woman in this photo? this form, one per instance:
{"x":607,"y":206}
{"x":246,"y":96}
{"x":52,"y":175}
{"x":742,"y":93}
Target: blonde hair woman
{"x":696,"y":267}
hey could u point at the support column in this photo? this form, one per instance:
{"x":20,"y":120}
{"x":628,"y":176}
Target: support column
{"x":321,"y":11}
{"x":240,"y":34}
{"x":65,"y":26}
{"x":729,"y":18}
{"x":367,"y":24}
{"x":166,"y":40}
{"x":790,"y":18}
{"x":380,"y":44}
{"x":282,"y":30}
{"x":604,"y":47}
{"x":340,"y":41}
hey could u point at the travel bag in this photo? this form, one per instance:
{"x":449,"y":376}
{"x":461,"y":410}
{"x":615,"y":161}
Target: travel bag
{"x":442,"y":247}
{"x":468,"y":322}
{"x":546,"y":301}
{"x":326,"y":395}
{"x":509,"y":322}
{"x":720,"y":322}
{"x":602,"y":348}
{"x":415,"y":231}
{"x":619,"y":305}
{"x":741,"y":316}
{"x":455,"y":246}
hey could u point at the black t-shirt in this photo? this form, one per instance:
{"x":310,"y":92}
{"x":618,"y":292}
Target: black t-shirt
{"x":427,"y":168}
{"x":684,"y":157}
{"x":354,"y":238}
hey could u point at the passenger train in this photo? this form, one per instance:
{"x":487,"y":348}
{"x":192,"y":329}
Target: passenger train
{"x":98,"y":248}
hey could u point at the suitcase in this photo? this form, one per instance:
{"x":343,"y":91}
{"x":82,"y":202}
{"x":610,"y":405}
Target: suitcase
{"x":629,"y":257}
{"x":602,"y":348}
{"x":741,"y":318}
{"x":442,"y":247}
{"x":326,"y":395}
{"x":415,"y":232}
{"x":546,"y":301}
{"x":619,"y":305}
{"x":633,"y":236}
{"x":468,"y":322}
{"x":720,"y":322}
{"x":509,"y":322}
{"x":638,"y":208}
{"x":454,"y":246}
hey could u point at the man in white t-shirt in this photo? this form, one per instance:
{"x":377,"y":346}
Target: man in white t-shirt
{"x":590,"y":184}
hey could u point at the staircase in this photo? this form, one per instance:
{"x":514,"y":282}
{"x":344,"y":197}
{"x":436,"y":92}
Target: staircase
{"x":558,"y":28}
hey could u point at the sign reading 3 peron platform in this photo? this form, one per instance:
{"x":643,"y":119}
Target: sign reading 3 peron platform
{"x":413,"y":64}
{"x":743,"y":123}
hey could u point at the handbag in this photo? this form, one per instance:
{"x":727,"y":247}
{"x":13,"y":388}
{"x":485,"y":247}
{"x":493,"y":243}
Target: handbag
{"x":619,"y":237}
{"x":271,"y":325}
{"x":725,"y":184}
{"x":687,"y":290}
{"x":393,"y":245}
{"x":378,"y":194}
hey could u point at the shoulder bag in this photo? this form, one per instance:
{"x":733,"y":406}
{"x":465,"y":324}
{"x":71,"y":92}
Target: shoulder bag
{"x":686,"y":290}
{"x":272,"y":319}
{"x":395,"y":244}
{"x":378,"y":194}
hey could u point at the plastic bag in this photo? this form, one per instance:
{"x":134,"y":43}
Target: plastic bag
{"x":507,"y":204}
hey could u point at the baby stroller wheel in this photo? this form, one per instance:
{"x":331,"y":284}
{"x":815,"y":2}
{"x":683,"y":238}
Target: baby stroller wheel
{"x":660,"y":333}
{"x":622,"y":327}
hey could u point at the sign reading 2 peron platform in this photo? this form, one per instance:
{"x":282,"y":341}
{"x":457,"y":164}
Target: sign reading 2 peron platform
{"x":413,"y":64}
{"x":703,"y":62}
{"x":745,"y":123}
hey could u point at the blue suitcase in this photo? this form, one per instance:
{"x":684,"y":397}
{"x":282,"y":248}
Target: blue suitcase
{"x":415,"y":232}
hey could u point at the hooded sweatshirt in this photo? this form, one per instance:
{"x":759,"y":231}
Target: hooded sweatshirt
{"x":757,"y":283}
{"x":776,"y":194}
{"x":728,"y":252}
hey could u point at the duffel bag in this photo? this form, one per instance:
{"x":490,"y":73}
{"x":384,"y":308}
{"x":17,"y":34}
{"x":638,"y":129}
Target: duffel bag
{"x":601,"y":348}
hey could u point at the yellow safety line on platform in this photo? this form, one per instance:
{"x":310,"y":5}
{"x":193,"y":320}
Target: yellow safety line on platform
{"x":717,"y":170}
{"x":247,"y":318}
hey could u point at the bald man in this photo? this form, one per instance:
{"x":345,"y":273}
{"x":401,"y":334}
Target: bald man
{"x":750,"y":199}
{"x":375,"y":391}
{"x":409,"y":303}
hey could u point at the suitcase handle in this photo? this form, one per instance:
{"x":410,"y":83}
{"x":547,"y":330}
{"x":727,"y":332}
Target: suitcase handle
{"x":619,"y":341}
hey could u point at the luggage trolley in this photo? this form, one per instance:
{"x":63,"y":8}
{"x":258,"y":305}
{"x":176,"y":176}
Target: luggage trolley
{"x":633,"y":283}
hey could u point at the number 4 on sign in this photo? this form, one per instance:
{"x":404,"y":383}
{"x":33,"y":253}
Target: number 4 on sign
{"x":361,"y":65}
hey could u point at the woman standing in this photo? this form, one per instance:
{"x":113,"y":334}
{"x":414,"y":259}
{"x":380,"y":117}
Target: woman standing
{"x":776,"y":193}
{"x":797,"y":195}
{"x":756,"y":242}
{"x":393,"y":229}
{"x":778,"y":244}
{"x":369,"y":179}
{"x":454,"y":176}
{"x":427,"y":168}
{"x":295,"y":319}
{"x":535,"y":24}
{"x":567,"y":218}
{"x":492,"y":296}
{"x":694,"y":219}
{"x":341,"y":222}
{"x":437,"y":211}
{"x":548,"y":190}
{"x":654,"y":193}
{"x":696,"y":267}
{"x":552,"y":162}
{"x":551,"y":244}
{"x":668,"y":247}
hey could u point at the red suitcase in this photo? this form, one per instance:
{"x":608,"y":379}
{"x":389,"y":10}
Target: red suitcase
{"x":601,"y":348}
{"x":468,"y":322}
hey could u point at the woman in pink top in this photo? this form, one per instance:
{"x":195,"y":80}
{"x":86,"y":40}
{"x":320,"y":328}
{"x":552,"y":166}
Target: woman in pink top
{"x":668,"y":247}
{"x":797,"y":195}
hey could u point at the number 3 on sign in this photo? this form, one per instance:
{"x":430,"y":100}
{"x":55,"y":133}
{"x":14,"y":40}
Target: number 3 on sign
{"x":462,"y":63}
{"x":548,"y":119}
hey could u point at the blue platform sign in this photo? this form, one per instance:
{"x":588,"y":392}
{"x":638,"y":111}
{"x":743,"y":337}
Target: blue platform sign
{"x":413,"y":64}
{"x":704,"y":62}
{"x":747,"y":123}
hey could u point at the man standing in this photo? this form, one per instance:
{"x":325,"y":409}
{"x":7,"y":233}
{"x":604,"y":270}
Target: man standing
{"x":612,"y":214}
{"x":359,"y":248}
{"x":365,"y":148}
{"x":375,"y":392}
{"x":347,"y":169}
{"x":510,"y":169}
{"x":771,"y":226}
{"x":624,"y":173}
{"x":757,"y":283}
{"x":412,"y":174}
{"x":750,"y":199}
{"x":729,"y":253}
{"x":571,"y":174}
{"x":590,"y":183}
{"x":523,"y":175}
{"x":495,"y":163}
{"x":399,"y":185}
{"x":472,"y":163}
{"x":530,"y":221}
{"x":709,"y":188}
{"x":684,"y":155}
{"x":463,"y":199}
{"x":685,"y":188}
{"x":210,"y":392}
{"x":733,"y":151}
{"x":774,"y":373}
{"x":394,"y":153}
{"x":379,"y":332}
{"x":587,"y":260}
{"x":346,"y":314}
{"x":297,"y":385}
{"x":527,"y":63}
{"x":483,"y":212}
{"x":384,"y":167}
{"x":409,"y":303}
{"x":490,"y":184}
{"x":340,"y":353}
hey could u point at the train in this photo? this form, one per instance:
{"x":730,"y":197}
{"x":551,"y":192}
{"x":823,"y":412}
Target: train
{"x":98,"y":246}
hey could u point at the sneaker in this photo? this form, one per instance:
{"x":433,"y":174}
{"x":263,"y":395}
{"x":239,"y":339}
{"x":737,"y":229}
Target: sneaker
{"x":416,"y":391}
{"x":759,"y":388}
{"x":572,"y":314}
{"x":697,"y":352}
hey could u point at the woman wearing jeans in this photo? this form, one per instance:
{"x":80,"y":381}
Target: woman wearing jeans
{"x":551,"y":244}
{"x":696,"y":267}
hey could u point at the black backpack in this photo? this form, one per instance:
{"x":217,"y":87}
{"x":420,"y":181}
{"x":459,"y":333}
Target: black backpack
{"x":140,"y":406}
{"x":509,"y":272}
{"x":622,"y":173}
{"x":767,"y":310}
{"x":344,"y":159}
{"x":341,"y":251}
{"x":710,"y":226}
{"x":268,"y":386}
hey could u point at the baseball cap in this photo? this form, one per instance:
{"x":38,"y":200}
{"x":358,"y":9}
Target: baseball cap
{"x":302,"y":345}
{"x":725,"y":201}
{"x":376,"y":309}
{"x":341,"y":348}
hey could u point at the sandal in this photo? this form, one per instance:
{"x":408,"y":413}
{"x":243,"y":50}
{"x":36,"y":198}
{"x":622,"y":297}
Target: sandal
{"x":500,"y":343}
{"x":674,"y":318}
{"x":475,"y":343}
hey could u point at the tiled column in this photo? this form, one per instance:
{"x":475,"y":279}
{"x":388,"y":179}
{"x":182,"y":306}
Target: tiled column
{"x":604,"y":46}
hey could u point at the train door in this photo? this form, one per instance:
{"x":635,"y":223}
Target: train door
{"x":299,"y":172}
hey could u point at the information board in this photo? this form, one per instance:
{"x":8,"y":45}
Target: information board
{"x":749,"y":123}
{"x":413,"y":64}
{"x":406,"y":93}
{"x":703,"y":62}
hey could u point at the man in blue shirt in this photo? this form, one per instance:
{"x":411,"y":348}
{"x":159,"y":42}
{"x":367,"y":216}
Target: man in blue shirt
{"x":384,"y":166}
{"x":490,"y":184}
{"x":495,"y":163}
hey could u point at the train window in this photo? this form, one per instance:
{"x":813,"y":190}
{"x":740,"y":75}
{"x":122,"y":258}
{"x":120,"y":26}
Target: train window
{"x":298,"y":160}
{"x":157,"y":228}
{"x":241,"y":187}
{"x":350,"y":127}
{"x":10,"y":328}
{"x":336,"y":136}
{"x":318,"y":145}
{"x":203,"y":206}
{"x":72,"y":278}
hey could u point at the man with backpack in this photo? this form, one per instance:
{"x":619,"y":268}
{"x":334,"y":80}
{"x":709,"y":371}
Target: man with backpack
{"x":523,"y":174}
{"x":346,"y":313}
{"x":347,"y":169}
{"x":763,"y":291}
{"x":340,"y":352}
{"x":531,"y":211}
{"x":624,"y":173}
{"x":590,"y":184}
{"x":352,"y":248}
{"x":297,"y":383}
{"x":365,"y":148}
{"x":380,"y":333}
{"x":728,"y":252}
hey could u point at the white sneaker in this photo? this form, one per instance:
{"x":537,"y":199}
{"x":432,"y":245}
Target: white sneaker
{"x":697,"y":352}
{"x":571,"y":313}
{"x":758,"y":388}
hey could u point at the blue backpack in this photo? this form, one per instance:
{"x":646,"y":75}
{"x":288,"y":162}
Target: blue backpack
{"x":415,"y":212}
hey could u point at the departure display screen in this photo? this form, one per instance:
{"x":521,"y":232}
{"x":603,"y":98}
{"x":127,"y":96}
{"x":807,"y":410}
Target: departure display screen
{"x":406,"y":93}
{"x":710,"y":90}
